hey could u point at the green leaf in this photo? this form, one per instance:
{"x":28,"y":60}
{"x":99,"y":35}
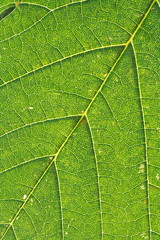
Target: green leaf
{"x":79,"y":120}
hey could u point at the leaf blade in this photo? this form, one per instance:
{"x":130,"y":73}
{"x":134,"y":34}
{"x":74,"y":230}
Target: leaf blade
{"x":108,"y":105}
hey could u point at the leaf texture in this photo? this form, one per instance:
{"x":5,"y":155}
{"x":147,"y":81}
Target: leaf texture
{"x":79,"y":126}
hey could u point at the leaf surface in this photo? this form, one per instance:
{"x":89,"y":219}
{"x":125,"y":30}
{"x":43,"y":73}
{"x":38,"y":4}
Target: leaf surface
{"x":79,"y":126}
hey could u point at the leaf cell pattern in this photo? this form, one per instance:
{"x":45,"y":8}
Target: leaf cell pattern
{"x":79,"y":126}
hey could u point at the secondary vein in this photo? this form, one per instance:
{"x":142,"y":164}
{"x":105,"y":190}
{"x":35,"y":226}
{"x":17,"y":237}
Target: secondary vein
{"x":145,"y":141}
{"x":60,"y":60}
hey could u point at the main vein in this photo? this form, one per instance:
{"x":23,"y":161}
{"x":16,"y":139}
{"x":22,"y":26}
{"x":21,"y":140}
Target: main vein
{"x":75,"y":127}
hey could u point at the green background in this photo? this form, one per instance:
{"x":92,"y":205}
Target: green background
{"x":79,"y":129}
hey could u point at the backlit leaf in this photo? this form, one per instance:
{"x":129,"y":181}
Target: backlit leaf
{"x":79,"y":130}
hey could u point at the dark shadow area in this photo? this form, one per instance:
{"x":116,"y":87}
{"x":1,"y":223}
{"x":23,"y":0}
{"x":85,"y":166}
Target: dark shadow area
{"x":6,"y":12}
